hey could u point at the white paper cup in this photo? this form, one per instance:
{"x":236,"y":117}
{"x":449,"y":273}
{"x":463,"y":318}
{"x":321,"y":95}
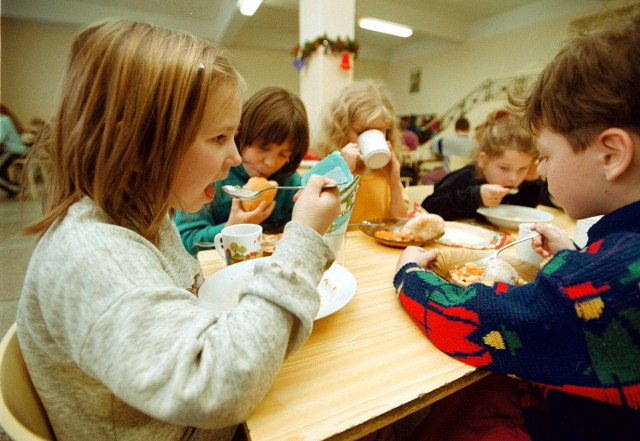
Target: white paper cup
{"x":524,"y":251}
{"x":582,"y":226}
{"x":237,"y":243}
{"x":374,"y":149}
{"x":337,"y":241}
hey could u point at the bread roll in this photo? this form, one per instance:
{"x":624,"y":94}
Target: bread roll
{"x":259,"y":183}
{"x":497,"y":270}
{"x":424,"y":226}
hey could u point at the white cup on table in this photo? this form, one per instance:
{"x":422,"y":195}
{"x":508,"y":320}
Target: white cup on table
{"x":374,"y":148}
{"x":582,"y":227}
{"x":237,"y":243}
{"x":524,"y":251}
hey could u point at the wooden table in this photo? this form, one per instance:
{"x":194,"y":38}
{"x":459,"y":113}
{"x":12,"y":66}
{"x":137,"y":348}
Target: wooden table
{"x":363,"y":367}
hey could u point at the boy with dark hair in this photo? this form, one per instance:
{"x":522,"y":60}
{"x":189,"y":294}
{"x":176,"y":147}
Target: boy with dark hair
{"x":575,"y":330}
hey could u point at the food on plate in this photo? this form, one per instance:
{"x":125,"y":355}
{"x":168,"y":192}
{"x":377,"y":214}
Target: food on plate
{"x":424,"y":227}
{"x":417,"y":229}
{"x":392,"y":235}
{"x":269,"y":242}
{"x":259,"y":183}
{"x":497,"y":270}
{"x":466,"y":275}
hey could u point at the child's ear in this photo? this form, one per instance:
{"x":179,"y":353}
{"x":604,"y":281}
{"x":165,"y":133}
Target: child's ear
{"x":482,"y":159}
{"x":617,"y":149}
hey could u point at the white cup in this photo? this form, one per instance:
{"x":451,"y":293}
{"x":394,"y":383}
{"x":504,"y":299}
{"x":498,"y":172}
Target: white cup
{"x":524,"y":251}
{"x":240,"y":242}
{"x":374,"y":149}
{"x":582,"y":226}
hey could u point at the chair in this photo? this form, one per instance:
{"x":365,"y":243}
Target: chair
{"x":417,"y":193}
{"x":22,"y":415}
{"x":33,"y":169}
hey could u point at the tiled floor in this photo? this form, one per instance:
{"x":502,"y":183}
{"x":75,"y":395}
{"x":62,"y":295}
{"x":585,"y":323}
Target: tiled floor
{"x":15,"y":250}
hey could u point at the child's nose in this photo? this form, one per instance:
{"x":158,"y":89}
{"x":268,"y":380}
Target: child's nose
{"x":234,"y":157}
{"x":269,"y":159}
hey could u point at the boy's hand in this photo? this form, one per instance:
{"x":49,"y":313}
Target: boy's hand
{"x":418,"y":255}
{"x":315,"y":206}
{"x":551,"y":240}
{"x":238,"y":216}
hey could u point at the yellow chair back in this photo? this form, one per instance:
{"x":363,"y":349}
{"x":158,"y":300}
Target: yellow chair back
{"x":22,"y":415}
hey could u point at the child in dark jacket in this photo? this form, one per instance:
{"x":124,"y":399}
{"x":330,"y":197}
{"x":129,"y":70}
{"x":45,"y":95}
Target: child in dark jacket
{"x":573,"y":331}
{"x":503,"y":164}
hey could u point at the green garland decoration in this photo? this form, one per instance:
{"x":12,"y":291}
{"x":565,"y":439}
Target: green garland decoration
{"x":302,"y":52}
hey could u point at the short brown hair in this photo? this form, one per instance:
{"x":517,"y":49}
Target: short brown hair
{"x":462,"y":124}
{"x":274,"y":115}
{"x":590,"y":85}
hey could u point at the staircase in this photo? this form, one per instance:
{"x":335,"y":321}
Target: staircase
{"x":491,"y":90}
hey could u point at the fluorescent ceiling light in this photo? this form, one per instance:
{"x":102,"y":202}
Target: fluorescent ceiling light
{"x":373,"y":24}
{"x":249,"y":7}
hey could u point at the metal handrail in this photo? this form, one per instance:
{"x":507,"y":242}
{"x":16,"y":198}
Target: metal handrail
{"x":488,"y":90}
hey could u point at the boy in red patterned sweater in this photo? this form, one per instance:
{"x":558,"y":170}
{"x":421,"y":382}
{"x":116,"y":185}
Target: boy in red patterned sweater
{"x":575,"y":330}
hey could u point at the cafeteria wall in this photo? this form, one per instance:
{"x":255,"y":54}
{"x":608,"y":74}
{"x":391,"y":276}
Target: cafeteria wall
{"x":34,"y":57}
{"x":448,"y":75}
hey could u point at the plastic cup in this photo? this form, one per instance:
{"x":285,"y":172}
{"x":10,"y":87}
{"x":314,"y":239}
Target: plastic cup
{"x":524,"y":251}
{"x":582,"y":227}
{"x":374,"y":149}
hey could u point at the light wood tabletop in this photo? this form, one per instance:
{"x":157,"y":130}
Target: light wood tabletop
{"x":364,"y":366}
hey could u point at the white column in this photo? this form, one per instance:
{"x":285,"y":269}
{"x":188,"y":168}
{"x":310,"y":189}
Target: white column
{"x":322,"y":78}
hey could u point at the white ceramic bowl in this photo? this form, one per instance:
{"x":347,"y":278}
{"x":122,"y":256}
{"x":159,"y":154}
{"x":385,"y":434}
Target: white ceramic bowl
{"x":511,"y":216}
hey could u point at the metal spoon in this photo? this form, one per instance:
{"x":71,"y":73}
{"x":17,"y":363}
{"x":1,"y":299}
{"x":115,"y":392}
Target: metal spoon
{"x":386,"y":225}
{"x":246,"y":194}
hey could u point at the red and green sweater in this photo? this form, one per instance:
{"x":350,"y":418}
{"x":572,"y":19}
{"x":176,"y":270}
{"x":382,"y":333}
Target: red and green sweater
{"x":574,"y":330}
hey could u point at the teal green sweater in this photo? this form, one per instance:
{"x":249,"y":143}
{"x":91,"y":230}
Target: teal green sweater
{"x":212,"y":218}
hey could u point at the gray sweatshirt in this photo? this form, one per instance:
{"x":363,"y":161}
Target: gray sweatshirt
{"x":118,"y":346}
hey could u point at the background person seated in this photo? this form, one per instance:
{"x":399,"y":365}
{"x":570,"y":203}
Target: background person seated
{"x":460,"y":144}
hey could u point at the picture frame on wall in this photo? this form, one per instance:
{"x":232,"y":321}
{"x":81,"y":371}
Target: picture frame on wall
{"x":414,"y":80}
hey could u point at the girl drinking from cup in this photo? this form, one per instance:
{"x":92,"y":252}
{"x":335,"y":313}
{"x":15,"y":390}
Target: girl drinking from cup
{"x":359,"y":107}
{"x":272,"y":139}
{"x":504,"y":172}
{"x":109,"y":322}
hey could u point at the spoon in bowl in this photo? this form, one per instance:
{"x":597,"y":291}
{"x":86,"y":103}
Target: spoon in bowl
{"x":246,"y":194}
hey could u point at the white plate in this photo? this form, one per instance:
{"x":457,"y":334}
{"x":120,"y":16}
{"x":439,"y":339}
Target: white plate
{"x":475,"y":237}
{"x":510,"y":216}
{"x":219,"y":292}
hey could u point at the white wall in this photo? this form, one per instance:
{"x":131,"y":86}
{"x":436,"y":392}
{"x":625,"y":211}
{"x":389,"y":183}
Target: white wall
{"x":447,"y":76}
{"x":34,"y":57}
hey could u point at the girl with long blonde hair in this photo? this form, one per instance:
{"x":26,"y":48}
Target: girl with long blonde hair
{"x":361,"y":106}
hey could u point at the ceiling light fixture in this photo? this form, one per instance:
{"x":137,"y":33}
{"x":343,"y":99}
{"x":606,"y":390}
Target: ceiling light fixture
{"x":373,"y":24}
{"x":249,"y":7}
